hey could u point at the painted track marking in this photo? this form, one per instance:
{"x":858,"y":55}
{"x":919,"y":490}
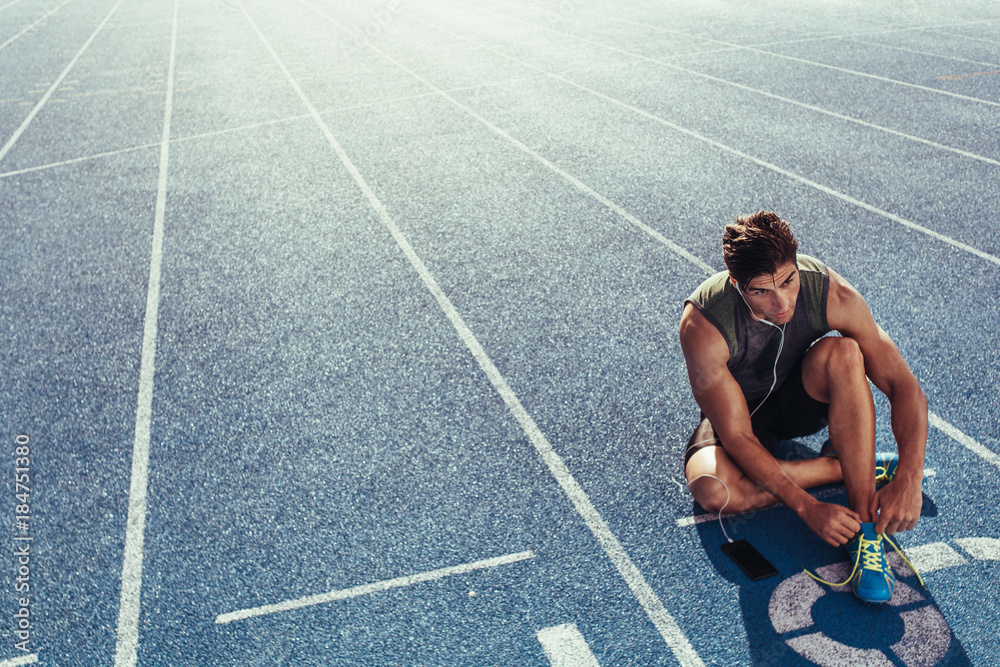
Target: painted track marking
{"x":369,"y":589}
{"x":688,"y":521}
{"x":813,"y":63}
{"x":707,"y":140}
{"x":21,"y":660}
{"x":926,"y":637}
{"x":981,"y":548}
{"x":727,"y":82}
{"x":956,"y":77}
{"x":929,"y":557}
{"x":565,"y":646}
{"x":127,"y":643}
{"x":964,"y":440}
{"x":648,"y":599}
{"x":56,"y":84}
{"x":41,"y":19}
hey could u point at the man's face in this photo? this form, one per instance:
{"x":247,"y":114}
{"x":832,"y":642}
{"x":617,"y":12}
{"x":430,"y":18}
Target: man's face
{"x":772,"y":296}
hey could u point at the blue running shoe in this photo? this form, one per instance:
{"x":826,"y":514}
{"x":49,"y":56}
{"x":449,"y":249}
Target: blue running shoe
{"x":885,"y":468}
{"x":872,"y":579}
{"x":885,"y":463}
{"x":827,"y":449}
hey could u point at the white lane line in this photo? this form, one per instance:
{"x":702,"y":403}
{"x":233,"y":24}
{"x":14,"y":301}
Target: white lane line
{"x":85,"y":158}
{"x":23,"y":660}
{"x":930,"y":54}
{"x":688,"y":521}
{"x":926,"y":89}
{"x":55,"y":85}
{"x":368,"y":589}
{"x":981,"y":548}
{"x":9,"y":4}
{"x":620,"y":211}
{"x":650,"y":602}
{"x":240,"y":128}
{"x":970,"y":38}
{"x":929,"y":558}
{"x":41,"y":19}
{"x":565,"y":646}
{"x":812,"y":62}
{"x":700,"y":137}
{"x":727,"y":82}
{"x":962,"y":439}
{"x":127,"y":644}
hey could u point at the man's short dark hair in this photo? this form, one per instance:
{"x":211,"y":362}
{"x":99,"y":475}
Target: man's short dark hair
{"x":757,"y":244}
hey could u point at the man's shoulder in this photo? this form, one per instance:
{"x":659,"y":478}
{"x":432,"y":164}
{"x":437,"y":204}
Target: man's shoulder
{"x":808,"y":263}
{"x":709,"y":313}
{"x":702,"y":339}
{"x":710,"y":289}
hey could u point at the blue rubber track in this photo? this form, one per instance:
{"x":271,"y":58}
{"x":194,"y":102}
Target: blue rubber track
{"x":346,"y":333}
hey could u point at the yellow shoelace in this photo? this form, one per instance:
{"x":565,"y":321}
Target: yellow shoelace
{"x":872,"y":560}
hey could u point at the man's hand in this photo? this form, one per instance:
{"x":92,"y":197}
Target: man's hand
{"x":836,"y":524}
{"x":897,"y":506}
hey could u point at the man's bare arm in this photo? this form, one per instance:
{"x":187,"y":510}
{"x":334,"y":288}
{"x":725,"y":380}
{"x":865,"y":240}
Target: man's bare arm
{"x":898,"y":504}
{"x":721,"y":399}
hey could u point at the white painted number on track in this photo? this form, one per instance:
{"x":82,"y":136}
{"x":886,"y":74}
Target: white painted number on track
{"x":926,"y":636}
{"x":566,"y":647}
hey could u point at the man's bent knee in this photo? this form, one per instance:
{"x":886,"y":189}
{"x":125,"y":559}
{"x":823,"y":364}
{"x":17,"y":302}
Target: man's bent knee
{"x":845,"y":355}
{"x":704,"y":478}
{"x":710,"y":493}
{"x":831,"y":360}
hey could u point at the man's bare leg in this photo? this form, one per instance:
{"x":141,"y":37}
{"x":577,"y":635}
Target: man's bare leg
{"x":742,"y":493}
{"x":834,"y":372}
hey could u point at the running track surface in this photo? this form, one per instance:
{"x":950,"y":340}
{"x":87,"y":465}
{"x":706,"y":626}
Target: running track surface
{"x":345,"y":334}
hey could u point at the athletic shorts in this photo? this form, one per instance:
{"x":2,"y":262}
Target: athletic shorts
{"x":789,"y":412}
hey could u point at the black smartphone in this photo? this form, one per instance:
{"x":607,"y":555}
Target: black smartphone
{"x":749,"y":559}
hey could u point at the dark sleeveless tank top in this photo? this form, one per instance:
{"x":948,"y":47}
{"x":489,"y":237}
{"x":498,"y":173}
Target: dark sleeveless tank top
{"x":754,"y":345}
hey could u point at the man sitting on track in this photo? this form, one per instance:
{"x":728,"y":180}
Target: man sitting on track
{"x":762,"y":369}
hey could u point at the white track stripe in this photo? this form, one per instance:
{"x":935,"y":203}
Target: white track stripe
{"x":970,"y":38}
{"x":55,"y":85}
{"x":126,"y":647}
{"x":12,"y":39}
{"x":654,"y":608}
{"x":962,"y":439}
{"x":9,"y":4}
{"x":920,"y":53}
{"x":981,"y":548}
{"x":726,"y":82}
{"x":700,"y":137}
{"x":228,"y":130}
{"x":688,"y":521}
{"x":812,"y":62}
{"x":23,"y":660}
{"x":565,"y":646}
{"x":86,"y":158}
{"x":368,"y":589}
{"x":876,"y":77}
{"x":620,"y":211}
